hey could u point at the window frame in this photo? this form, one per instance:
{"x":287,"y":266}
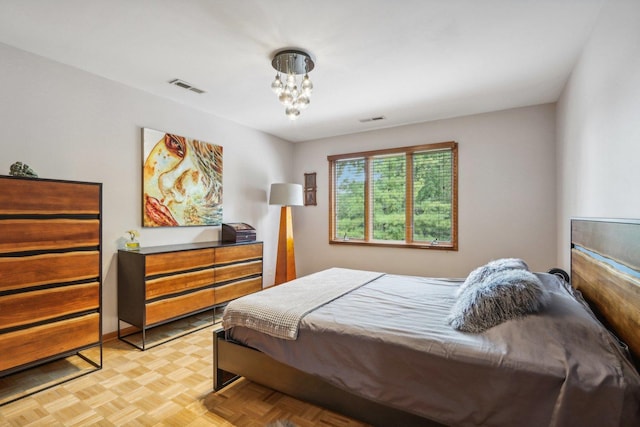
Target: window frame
{"x":408,"y":242}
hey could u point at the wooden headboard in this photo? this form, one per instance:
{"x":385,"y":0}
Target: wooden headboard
{"x":605,"y":267}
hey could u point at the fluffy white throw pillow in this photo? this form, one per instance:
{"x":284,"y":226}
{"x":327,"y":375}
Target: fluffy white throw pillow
{"x":481,"y":273}
{"x":495,"y":295}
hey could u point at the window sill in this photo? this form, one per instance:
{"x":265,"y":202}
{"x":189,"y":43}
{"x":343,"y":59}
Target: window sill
{"x":422,"y":245}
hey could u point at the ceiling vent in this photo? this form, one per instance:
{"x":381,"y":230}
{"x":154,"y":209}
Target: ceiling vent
{"x":185,"y":85}
{"x":372,"y":119}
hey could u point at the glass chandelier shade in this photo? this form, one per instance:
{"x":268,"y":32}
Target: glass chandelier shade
{"x":292,"y":92}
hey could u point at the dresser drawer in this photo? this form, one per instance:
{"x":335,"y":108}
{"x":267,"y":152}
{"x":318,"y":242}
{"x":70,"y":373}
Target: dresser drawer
{"x":27,"y":345}
{"x":178,"y":261}
{"x":40,"y":234}
{"x":178,"y":283}
{"x":237,"y":289}
{"x":35,"y":306}
{"x":238,"y":253}
{"x":159,"y":311}
{"x":22,"y":272}
{"x":48,"y":197}
{"x":238,"y":271}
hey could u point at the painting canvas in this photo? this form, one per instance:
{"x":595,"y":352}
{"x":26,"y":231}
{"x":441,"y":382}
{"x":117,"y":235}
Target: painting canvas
{"x":182,"y":181}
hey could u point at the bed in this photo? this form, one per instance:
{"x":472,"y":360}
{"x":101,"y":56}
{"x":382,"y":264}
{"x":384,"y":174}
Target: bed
{"x":383,"y":352}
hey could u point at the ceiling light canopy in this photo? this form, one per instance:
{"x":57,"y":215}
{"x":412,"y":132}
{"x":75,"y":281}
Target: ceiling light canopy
{"x":293,"y":94}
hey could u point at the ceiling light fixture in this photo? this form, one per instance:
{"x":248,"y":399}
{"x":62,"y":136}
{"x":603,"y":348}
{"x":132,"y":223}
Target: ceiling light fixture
{"x":290,"y":64}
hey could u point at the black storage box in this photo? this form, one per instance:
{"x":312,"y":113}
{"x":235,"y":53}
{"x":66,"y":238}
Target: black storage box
{"x":237,"y":232}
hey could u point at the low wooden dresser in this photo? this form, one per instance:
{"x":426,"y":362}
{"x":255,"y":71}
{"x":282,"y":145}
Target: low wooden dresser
{"x":161,"y":284}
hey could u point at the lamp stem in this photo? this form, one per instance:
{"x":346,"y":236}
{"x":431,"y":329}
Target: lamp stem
{"x":286,"y":260}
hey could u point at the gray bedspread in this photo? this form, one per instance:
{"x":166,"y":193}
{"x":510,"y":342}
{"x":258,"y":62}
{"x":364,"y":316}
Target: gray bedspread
{"x":272,"y":312}
{"x":389,"y":341}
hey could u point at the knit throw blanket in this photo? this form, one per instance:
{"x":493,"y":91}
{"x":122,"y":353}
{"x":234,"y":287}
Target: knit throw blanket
{"x":277,"y":310}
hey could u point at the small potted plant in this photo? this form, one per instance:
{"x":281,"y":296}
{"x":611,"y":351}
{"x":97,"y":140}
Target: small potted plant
{"x":133,"y":244}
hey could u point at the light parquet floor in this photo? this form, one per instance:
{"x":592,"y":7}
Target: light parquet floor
{"x":168,"y":385}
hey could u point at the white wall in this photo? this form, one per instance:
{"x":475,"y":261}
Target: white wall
{"x":598,"y":125}
{"x":507,"y":202}
{"x":69,"y":124}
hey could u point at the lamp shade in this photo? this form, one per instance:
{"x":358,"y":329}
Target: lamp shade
{"x":286,"y":194}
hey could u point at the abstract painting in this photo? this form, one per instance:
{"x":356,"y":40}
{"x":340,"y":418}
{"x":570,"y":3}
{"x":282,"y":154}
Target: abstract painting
{"x":182,"y":181}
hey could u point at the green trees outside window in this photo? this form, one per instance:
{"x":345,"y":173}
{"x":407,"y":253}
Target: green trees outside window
{"x":349,"y":204}
{"x":405,"y":197}
{"x":388,"y":190}
{"x":433,"y":196}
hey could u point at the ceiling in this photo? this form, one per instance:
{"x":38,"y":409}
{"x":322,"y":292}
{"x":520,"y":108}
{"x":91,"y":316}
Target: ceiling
{"x":407,"y":60}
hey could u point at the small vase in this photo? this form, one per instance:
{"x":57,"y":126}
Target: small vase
{"x":132,"y":245}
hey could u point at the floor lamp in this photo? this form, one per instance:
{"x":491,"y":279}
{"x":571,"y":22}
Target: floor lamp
{"x":285,"y":195}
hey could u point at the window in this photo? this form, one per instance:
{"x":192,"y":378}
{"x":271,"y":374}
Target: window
{"x":404,"y":197}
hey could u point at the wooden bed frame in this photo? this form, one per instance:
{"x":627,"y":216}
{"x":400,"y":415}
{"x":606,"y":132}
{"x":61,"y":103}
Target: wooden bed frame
{"x":613,"y":294}
{"x":605,"y":267}
{"x":232,"y":360}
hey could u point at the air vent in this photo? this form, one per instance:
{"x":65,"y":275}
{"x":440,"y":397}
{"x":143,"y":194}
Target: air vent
{"x":372,"y":119}
{"x":185,"y":85}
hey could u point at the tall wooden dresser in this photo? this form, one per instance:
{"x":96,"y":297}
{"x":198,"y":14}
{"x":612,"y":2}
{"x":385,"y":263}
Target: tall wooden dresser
{"x":50,"y":272}
{"x":160,"y":284}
